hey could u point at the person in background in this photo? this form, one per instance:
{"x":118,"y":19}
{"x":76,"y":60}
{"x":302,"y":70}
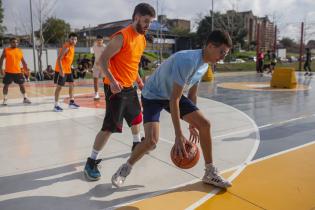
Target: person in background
{"x":98,"y":49}
{"x":12,"y":73}
{"x":307,"y":64}
{"x":63,"y":72}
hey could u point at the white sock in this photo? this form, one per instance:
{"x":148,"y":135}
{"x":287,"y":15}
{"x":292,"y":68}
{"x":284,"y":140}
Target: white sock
{"x":94,"y":154}
{"x":96,"y":93}
{"x":5,"y":97}
{"x":24,"y":95}
{"x":129,"y":165}
{"x":209,"y":165}
{"x":56,"y":103}
{"x":136,"y":137}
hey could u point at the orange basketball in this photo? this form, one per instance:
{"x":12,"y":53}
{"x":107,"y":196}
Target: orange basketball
{"x":186,"y":163}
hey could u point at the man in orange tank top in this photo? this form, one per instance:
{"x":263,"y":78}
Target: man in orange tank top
{"x":12,"y":72}
{"x":119,"y":62}
{"x":63,"y":72}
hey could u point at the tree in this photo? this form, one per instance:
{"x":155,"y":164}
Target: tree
{"x":2,"y":28}
{"x":55,"y":30}
{"x":179,"y":31}
{"x":232,"y":22}
{"x":44,"y":9}
{"x":287,"y":42}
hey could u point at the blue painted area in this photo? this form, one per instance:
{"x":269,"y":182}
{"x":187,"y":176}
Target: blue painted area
{"x":270,"y":108}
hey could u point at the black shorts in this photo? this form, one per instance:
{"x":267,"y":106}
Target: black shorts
{"x":120,"y":106}
{"x":153,"y":107}
{"x":16,"y":78}
{"x":62,"y":80}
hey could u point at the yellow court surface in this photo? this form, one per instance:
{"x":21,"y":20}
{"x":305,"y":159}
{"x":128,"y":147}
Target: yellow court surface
{"x":262,"y":140}
{"x":281,"y":182}
{"x":284,"y":181}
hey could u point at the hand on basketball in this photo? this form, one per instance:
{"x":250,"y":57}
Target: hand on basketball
{"x":180,"y":146}
{"x":194,"y":134}
{"x":115,"y":87}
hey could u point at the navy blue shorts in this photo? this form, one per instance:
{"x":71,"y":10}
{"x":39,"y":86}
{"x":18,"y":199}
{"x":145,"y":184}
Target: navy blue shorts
{"x":152,"y":108}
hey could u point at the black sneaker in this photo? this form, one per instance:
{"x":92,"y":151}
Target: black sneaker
{"x":91,"y":169}
{"x":134,"y":144}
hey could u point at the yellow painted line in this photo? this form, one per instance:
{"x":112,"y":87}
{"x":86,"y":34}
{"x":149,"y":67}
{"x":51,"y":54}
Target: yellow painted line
{"x":286,"y":181}
{"x":176,"y":199}
{"x":259,"y":86}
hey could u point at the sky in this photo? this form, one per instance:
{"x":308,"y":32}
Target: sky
{"x":287,"y":14}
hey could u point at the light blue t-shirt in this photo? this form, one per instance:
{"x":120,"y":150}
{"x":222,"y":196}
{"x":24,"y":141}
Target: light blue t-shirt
{"x":186,"y":68}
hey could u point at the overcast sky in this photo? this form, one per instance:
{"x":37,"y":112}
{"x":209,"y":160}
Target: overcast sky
{"x":288,"y":14}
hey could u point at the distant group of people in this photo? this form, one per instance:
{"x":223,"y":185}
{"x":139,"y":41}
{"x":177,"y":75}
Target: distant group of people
{"x":266,"y":62}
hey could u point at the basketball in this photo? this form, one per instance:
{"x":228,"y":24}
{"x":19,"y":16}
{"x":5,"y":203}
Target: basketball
{"x":186,"y":163}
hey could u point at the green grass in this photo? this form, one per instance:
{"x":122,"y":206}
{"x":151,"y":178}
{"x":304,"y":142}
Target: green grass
{"x":247,"y":66}
{"x":150,"y":56}
{"x":244,"y":54}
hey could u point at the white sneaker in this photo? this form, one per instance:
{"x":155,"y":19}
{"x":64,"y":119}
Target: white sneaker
{"x":97,"y":97}
{"x":119,"y":177}
{"x":5,"y":102}
{"x":212,"y":177}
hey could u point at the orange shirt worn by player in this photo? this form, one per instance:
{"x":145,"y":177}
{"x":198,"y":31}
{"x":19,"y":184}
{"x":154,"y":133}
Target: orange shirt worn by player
{"x":13,"y":60}
{"x":124,"y":65}
{"x":66,"y":60}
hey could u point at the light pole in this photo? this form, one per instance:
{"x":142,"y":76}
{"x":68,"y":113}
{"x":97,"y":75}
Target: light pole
{"x":33,"y":37}
{"x":212,"y":15}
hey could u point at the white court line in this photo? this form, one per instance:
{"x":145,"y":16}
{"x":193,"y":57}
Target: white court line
{"x":282,"y":152}
{"x":141,"y":198}
{"x":234,"y":175}
{"x":239,"y":169}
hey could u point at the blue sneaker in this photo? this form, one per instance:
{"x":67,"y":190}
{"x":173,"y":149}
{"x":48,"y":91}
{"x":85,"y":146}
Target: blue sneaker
{"x":58,"y":108}
{"x":73,"y":105}
{"x":91,"y":170}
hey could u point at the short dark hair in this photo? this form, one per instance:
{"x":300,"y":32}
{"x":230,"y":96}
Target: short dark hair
{"x":99,"y":37}
{"x":13,"y":39}
{"x":72,"y":35}
{"x":143,"y":9}
{"x":219,"y":37}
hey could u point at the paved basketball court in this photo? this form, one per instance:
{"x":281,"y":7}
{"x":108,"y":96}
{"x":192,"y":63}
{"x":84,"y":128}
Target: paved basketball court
{"x":263,"y":141}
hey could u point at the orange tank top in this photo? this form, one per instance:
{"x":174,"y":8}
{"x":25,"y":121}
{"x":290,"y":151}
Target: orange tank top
{"x":66,"y":60}
{"x":13,"y":58}
{"x":124,"y":65}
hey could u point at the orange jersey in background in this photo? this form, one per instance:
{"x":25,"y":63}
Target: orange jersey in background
{"x":124,"y":65}
{"x":13,"y":58}
{"x":67,"y":59}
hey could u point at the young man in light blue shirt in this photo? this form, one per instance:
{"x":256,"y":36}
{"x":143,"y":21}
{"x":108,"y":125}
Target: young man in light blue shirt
{"x":164,"y":90}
